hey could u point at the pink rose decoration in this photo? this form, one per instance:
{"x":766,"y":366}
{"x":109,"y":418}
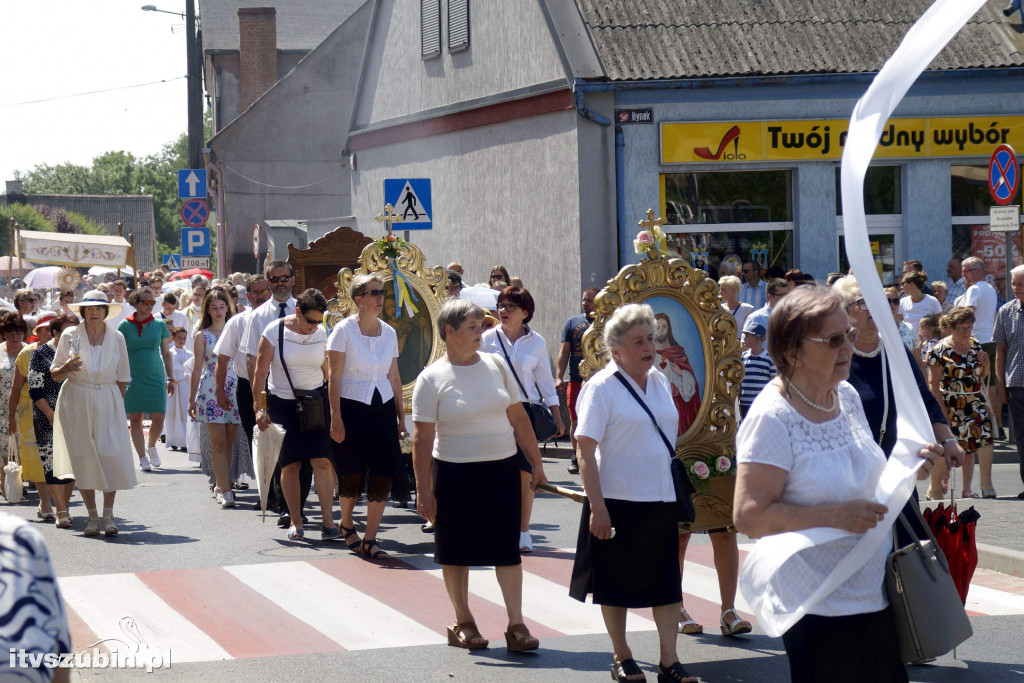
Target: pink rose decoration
{"x":722,"y":464}
{"x":392,"y":238}
{"x":645,"y":238}
{"x":701,"y":470}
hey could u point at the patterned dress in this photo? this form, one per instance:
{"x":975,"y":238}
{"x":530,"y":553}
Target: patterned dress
{"x":6,"y":380}
{"x":41,"y":385}
{"x":961,"y":392}
{"x":207,"y":409}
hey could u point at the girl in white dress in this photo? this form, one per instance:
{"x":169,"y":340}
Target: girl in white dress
{"x":176,"y":421}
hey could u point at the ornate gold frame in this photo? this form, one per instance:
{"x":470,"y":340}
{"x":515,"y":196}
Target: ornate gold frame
{"x":714,"y":430}
{"x":430,"y":285}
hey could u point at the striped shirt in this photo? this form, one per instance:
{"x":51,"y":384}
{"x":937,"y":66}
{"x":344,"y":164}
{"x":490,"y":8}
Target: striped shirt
{"x":757,"y":372}
{"x":1010,"y":331}
{"x":756,"y":296}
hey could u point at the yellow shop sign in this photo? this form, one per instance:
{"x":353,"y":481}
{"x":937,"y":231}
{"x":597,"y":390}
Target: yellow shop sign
{"x":799,"y":140}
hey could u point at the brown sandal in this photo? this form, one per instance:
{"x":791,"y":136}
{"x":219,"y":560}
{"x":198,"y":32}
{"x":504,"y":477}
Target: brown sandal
{"x":466,"y":635}
{"x":518,"y":639}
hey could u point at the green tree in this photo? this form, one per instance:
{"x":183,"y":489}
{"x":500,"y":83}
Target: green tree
{"x":27,"y":218}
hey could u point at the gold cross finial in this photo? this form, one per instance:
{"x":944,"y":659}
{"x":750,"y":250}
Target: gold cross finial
{"x":388,"y":217}
{"x":651,"y":221}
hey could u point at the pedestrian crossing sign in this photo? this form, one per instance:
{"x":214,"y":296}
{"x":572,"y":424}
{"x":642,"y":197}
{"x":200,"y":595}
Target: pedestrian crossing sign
{"x":412,"y":201}
{"x":172,"y":261}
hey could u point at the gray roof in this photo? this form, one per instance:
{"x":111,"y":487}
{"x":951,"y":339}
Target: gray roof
{"x":135,"y":211}
{"x":662,"y":39}
{"x":301,"y":24}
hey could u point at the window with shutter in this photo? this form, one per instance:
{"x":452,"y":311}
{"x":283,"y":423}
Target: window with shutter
{"x":430,"y":28}
{"x":458,"y":25}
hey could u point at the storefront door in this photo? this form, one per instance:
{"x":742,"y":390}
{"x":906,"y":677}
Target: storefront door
{"x":886,"y":246}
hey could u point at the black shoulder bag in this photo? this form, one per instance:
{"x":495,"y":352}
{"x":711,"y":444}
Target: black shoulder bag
{"x":680,"y":479}
{"x":309,"y":403}
{"x":540,"y":417}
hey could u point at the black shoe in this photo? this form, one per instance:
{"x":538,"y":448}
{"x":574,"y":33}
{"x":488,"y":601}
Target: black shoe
{"x":400,"y":504}
{"x":427,"y":528}
{"x":284,"y":521}
{"x":1008,"y":10}
{"x":1021,"y":495}
{"x":574,"y":467}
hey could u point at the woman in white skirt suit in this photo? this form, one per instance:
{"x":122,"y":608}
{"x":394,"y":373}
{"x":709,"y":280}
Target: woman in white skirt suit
{"x":90,"y":432}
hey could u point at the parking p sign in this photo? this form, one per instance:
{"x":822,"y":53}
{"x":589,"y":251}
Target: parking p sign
{"x":195,"y":242}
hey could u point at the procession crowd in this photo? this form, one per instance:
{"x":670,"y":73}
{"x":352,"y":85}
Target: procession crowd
{"x":213,"y":364}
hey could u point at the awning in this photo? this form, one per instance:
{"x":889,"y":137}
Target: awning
{"x":73,"y":250}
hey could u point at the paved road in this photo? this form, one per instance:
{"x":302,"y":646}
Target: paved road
{"x":230,"y":597}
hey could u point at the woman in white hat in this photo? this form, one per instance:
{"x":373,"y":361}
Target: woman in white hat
{"x":90,"y":434}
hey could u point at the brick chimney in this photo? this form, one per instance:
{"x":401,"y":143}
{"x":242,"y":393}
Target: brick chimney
{"x":257,"y":49}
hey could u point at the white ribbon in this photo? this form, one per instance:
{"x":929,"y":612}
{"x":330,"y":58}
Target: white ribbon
{"x":922,"y":43}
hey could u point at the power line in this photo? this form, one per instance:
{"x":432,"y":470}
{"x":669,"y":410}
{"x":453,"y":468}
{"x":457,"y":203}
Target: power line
{"x":92,"y":92}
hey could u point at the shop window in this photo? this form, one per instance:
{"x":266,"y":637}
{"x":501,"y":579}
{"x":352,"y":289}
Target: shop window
{"x":725,"y":197}
{"x":882,"y":193}
{"x":970,"y":202}
{"x":708,"y":251}
{"x":968,"y":188}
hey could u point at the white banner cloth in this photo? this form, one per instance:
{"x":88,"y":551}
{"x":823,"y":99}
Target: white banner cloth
{"x":774,"y":568}
{"x":64,"y":249}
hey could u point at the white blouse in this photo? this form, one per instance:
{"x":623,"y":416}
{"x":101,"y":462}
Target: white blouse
{"x":529,"y":356}
{"x":632,"y":460}
{"x":827,"y":462}
{"x":304,"y":353}
{"x":367,"y":360}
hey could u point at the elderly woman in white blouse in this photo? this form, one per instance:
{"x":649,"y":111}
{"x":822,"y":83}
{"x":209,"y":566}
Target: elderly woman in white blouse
{"x":807,"y":459}
{"x":627,"y":553}
{"x":526,"y":353}
{"x":367,"y":415}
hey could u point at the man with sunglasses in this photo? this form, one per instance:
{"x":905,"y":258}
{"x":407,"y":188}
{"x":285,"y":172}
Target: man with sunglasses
{"x":754,"y":289}
{"x":281,"y":303}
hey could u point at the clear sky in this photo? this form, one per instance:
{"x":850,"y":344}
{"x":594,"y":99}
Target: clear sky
{"x":55,"y":48}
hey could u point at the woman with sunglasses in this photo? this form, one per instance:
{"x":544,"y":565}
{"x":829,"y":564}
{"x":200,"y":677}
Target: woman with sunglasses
{"x":907,"y":333}
{"x":152,"y":368}
{"x":807,"y":459}
{"x":293,"y":357}
{"x":526,"y":353}
{"x":367,"y":413}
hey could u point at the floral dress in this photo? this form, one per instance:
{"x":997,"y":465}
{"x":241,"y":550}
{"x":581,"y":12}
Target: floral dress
{"x":961,"y":392}
{"x":41,"y":385}
{"x":6,"y":380}
{"x":207,"y":409}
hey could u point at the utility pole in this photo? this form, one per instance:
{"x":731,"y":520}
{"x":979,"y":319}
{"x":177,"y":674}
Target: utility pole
{"x":195,"y":87}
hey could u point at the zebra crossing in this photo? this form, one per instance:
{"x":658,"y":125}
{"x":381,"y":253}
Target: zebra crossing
{"x":346,"y":603}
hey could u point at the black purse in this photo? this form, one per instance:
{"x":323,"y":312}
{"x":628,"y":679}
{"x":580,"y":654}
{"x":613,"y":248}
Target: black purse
{"x":680,"y":479}
{"x":309,"y":403}
{"x":540,"y":417}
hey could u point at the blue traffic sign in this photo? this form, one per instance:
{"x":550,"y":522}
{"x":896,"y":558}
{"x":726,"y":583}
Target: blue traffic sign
{"x":172,"y":261}
{"x":191,"y":183}
{"x":411,"y":200}
{"x":1003,"y":175}
{"x":195,"y":212}
{"x":195,"y":242}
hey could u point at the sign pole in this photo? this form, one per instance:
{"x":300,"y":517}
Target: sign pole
{"x":1003,"y":183}
{"x":120,"y":233}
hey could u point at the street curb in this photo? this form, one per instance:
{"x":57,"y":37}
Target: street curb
{"x":1002,"y":560}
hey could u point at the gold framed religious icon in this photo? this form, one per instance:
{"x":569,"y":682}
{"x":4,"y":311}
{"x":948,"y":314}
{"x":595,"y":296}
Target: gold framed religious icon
{"x":412,"y":310}
{"x":697,"y":350}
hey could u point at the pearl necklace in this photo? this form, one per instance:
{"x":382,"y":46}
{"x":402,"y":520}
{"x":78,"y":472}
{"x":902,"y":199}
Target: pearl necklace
{"x":869,"y":354}
{"x":811,"y":403}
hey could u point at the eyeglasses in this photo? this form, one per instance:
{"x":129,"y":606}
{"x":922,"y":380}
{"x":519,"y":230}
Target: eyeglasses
{"x":861,"y":304}
{"x":892,"y":302}
{"x":836,"y":340}
{"x":511,"y":308}
{"x":372,"y":292}
{"x":147,"y":301}
{"x":498,"y":277}
{"x":312,"y":321}
{"x":746,"y":270}
{"x":280,"y":278}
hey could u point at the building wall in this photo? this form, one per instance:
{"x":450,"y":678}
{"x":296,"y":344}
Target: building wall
{"x":506,"y":193}
{"x":926,"y":217}
{"x":510,"y":49}
{"x":293,"y":136}
{"x":225,"y":73}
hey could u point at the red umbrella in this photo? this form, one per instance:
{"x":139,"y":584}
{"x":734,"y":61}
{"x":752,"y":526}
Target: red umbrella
{"x":185,"y":274}
{"x":955,"y":534}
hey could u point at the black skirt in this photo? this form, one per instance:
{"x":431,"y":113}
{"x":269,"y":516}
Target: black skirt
{"x":639,"y":566}
{"x":815,"y":644}
{"x":371,"y":439}
{"x":478,"y":508}
{"x":298,"y":445}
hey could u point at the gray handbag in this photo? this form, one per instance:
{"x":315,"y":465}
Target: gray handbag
{"x":930,"y":619}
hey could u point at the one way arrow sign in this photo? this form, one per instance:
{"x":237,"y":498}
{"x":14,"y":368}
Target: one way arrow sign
{"x":191,"y":183}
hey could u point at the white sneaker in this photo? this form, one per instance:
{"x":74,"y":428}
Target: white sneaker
{"x":218,"y":495}
{"x":227,"y":500}
{"x":525,"y":542}
{"x":144,"y":464}
{"x":154,"y":457}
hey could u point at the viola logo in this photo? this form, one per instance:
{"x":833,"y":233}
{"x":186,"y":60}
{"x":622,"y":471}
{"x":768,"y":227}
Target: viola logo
{"x":732,"y":135}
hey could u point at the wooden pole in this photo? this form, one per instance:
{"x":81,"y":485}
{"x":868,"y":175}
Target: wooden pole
{"x":572,"y":494}
{"x":135,"y":267}
{"x":120,"y":233}
{"x":10,"y":256}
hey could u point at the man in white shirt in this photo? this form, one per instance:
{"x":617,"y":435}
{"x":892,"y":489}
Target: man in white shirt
{"x":753,"y":291}
{"x":279,"y":277}
{"x":982,"y":299}
{"x":117,"y":290}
